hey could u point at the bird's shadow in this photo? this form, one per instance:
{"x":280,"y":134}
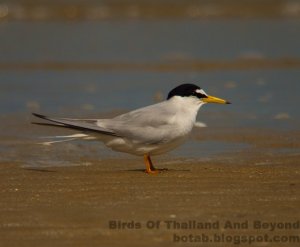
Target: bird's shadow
{"x":161,"y":171}
{"x":38,"y":169}
{"x":128,"y":170}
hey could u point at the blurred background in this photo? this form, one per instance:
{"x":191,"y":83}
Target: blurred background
{"x":93,"y":58}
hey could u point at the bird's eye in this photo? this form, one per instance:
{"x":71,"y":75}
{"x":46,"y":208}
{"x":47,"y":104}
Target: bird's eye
{"x":196,"y":94}
{"x":199,"y":95}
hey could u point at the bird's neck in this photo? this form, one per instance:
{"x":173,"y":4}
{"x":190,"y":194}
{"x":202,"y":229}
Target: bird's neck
{"x":187,"y":108}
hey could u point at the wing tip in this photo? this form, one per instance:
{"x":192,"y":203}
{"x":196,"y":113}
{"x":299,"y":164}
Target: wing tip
{"x":39,"y":115}
{"x":49,"y":124}
{"x":69,"y":124}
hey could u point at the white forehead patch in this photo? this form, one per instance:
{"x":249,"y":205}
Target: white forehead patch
{"x":201,"y":91}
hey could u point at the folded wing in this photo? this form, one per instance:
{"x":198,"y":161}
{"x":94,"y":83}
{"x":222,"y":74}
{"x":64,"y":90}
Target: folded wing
{"x":79,"y":124}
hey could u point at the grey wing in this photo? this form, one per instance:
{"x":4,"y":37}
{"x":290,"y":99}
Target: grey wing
{"x":152,"y":124}
{"x":80,"y":124}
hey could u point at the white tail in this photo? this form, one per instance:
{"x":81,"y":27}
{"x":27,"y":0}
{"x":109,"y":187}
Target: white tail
{"x":66,"y":138}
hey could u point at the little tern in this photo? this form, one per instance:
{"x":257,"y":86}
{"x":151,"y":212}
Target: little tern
{"x":147,"y":131}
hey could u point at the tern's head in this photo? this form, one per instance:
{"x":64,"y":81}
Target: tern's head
{"x":195,"y":94}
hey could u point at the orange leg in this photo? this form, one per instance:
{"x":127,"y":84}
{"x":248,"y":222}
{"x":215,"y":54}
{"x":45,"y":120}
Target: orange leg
{"x":150,"y":169}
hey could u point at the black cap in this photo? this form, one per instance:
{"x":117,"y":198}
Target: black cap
{"x":185,"y":90}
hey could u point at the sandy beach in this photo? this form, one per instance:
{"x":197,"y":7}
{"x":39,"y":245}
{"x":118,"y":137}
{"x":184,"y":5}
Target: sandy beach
{"x":74,"y":206}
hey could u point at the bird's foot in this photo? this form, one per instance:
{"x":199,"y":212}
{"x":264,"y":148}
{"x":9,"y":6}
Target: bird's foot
{"x":156,"y":171}
{"x":152,"y":172}
{"x":150,"y":169}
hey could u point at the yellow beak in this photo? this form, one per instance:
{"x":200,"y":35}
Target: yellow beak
{"x":212,"y":99}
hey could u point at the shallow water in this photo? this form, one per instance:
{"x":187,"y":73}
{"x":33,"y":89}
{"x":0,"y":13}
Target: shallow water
{"x":92,"y":68}
{"x":259,"y":95}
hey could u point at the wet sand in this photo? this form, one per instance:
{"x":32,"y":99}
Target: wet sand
{"x":180,"y":65}
{"x":72,"y":206}
{"x":132,"y":9}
